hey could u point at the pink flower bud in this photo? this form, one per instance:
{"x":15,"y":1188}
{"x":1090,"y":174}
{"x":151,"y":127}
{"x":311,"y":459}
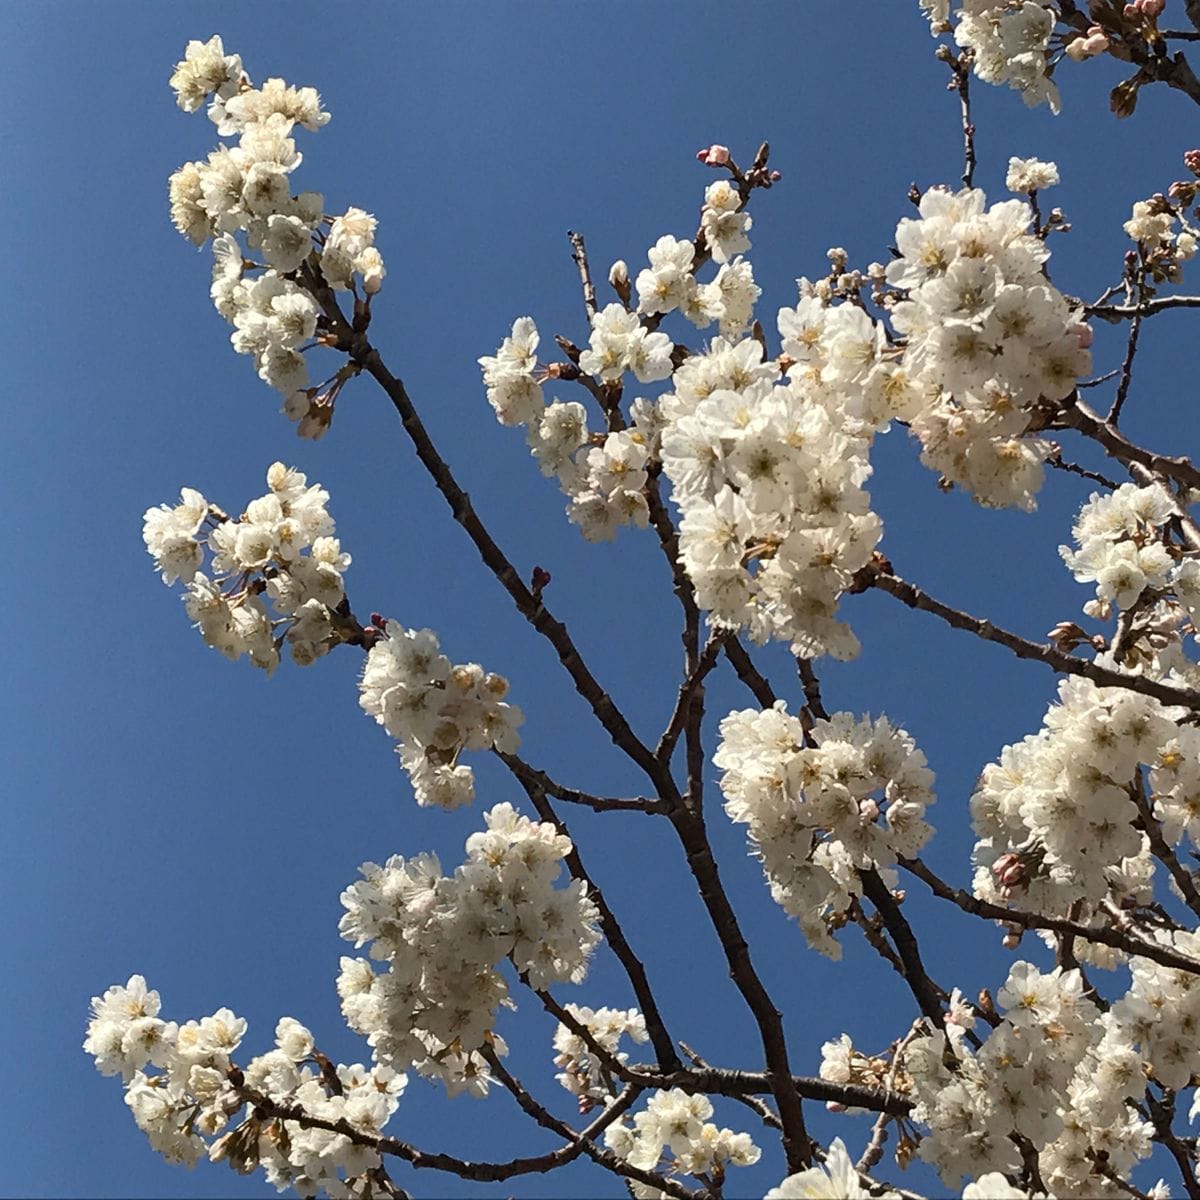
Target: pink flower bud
{"x":702,"y":154}
{"x":1153,"y":8}
{"x":717,"y":156}
{"x":1083,"y":334}
{"x":775,"y":176}
{"x":1131,"y":11}
{"x":1191,"y":160}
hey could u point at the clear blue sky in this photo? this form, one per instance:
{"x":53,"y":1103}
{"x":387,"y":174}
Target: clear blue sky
{"x":176,"y":815}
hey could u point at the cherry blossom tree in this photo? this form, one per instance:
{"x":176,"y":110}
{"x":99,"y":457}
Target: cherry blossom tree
{"x":741,"y":443}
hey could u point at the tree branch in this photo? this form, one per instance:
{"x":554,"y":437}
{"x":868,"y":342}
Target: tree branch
{"x":879,"y":575}
{"x":664,"y":1047}
{"x":605,"y":1158}
{"x":1127,"y":942}
{"x":722,"y":1081}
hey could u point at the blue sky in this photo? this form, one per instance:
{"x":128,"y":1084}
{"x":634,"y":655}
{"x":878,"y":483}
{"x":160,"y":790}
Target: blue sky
{"x":180,"y":816}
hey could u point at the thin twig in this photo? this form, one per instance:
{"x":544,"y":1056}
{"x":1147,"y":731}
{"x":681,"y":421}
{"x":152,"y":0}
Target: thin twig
{"x":765,"y":1112}
{"x":660,"y":1039}
{"x":1162,"y":1116}
{"x":605,"y":1158}
{"x":687,"y":693}
{"x":1079,"y":416}
{"x":1144,"y":308}
{"x":723,"y":1081}
{"x":1135,"y":327}
{"x":875,"y":576}
{"x":579,"y":254}
{"x":523,"y":770}
{"x":1057,"y":461}
{"x":1127,"y":942}
{"x":1160,"y":848}
{"x":267,"y":1108}
{"x":963,"y":87}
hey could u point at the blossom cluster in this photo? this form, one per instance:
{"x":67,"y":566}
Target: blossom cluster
{"x":1055,"y":1070}
{"x":1123,"y":546}
{"x":442,"y":938}
{"x":669,"y":284}
{"x":582,"y":1072}
{"x":818,"y":813}
{"x":1009,"y":42}
{"x":186,"y":1107}
{"x":246,"y":189}
{"x":435,"y":710}
{"x":1166,"y":238}
{"x":673,"y":1134}
{"x":281,"y":550}
{"x":768,"y":478}
{"x":1055,"y":816}
{"x":990,"y":334}
{"x":605,"y":476}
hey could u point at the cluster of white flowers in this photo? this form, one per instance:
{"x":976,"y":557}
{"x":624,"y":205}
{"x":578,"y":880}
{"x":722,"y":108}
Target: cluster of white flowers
{"x":185,"y":1109}
{"x":987,"y":330}
{"x":1165,"y":237}
{"x":443,"y":937}
{"x":817,"y":816}
{"x":246,"y":188}
{"x":724,"y":222}
{"x":673,"y":1135}
{"x":1122,"y":546}
{"x":582,"y":1073}
{"x":669,"y":284}
{"x":436,"y":710}
{"x":1009,"y":41}
{"x":603,"y":477}
{"x":1027,"y":175}
{"x":1056,"y":1071}
{"x":1054,"y":816}
{"x":768,"y":478}
{"x":281,"y":549}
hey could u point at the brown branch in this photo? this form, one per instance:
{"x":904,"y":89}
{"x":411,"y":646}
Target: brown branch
{"x":689,"y":825}
{"x":1150,"y":826}
{"x":1127,"y":942}
{"x":875,"y":575}
{"x":765,"y":1112}
{"x":1162,"y":1116}
{"x":266,"y":1108}
{"x":522,"y":770}
{"x":660,"y":1039}
{"x":1056,"y":460}
{"x":926,"y":993}
{"x":724,"y":1081}
{"x":1116,"y":445}
{"x":604,"y":1157}
{"x":530,"y":606}
{"x":1144,"y":308}
{"x":760,"y":687}
{"x":687,"y":694}
{"x":1135,"y":328}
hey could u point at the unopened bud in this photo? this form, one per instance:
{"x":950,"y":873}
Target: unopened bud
{"x":1191,"y":160}
{"x":618,"y":278}
{"x":775,"y":176}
